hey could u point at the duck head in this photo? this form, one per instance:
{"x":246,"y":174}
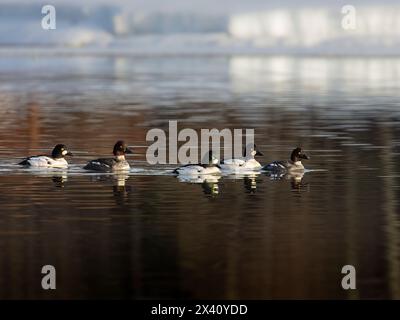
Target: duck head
{"x":209,"y":159}
{"x":298,"y":155}
{"x":251,"y":151}
{"x":120,"y":149}
{"x":212,"y":160}
{"x":60,"y":151}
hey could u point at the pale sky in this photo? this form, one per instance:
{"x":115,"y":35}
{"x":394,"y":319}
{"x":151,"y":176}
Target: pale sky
{"x":209,"y":5}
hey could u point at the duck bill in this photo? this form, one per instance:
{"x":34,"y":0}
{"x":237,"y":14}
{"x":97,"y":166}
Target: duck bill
{"x":304,"y":156}
{"x":128,"y":151}
{"x":258,"y":153}
{"x":69,"y":154}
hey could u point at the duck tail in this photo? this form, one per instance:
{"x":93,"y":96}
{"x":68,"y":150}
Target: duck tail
{"x":24,"y":162}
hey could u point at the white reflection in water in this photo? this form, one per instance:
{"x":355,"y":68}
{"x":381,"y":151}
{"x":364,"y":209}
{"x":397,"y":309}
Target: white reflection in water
{"x":208,"y":182}
{"x":313,"y":75}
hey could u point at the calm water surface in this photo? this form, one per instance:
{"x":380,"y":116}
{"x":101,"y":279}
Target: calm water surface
{"x":148,"y":234}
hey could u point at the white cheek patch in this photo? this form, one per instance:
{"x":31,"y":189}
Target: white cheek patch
{"x":64,"y":152}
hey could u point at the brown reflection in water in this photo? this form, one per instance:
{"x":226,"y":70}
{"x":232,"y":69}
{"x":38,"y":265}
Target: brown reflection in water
{"x":33,"y":124}
{"x":271,"y":243}
{"x":392,"y":223}
{"x":157,"y":237}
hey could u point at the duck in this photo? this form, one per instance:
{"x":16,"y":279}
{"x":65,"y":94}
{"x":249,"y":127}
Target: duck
{"x":211,"y":167}
{"x":294,"y":164}
{"x":118,"y":163}
{"x":247,"y":162}
{"x":55,"y":160}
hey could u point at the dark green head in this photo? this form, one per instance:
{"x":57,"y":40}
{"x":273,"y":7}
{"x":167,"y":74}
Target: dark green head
{"x":298,"y":155}
{"x":251,"y":150}
{"x":60,"y":151}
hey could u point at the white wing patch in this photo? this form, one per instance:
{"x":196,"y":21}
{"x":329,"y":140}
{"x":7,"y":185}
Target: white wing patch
{"x":47,"y":162}
{"x":275,"y":166}
{"x":238,"y":165}
{"x":234,"y":162}
{"x":97,"y":163}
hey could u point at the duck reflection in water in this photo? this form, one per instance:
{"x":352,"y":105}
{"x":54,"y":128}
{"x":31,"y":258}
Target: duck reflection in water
{"x":121,"y":191}
{"x":249,"y":180}
{"x":59,"y":180}
{"x":250,"y":183}
{"x":295,"y":179}
{"x":58,"y":176}
{"x":209,"y":183}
